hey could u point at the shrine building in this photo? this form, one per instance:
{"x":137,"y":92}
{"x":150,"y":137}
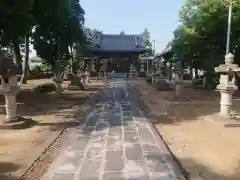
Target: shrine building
{"x":117,"y":52}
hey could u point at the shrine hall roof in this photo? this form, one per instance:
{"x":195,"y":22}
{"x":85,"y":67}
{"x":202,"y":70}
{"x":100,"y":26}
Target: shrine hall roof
{"x":118,"y":43}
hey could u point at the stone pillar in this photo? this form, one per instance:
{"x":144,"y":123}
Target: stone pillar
{"x":169,"y":70}
{"x":10,"y":91}
{"x":227,"y":84}
{"x":178,"y":80}
{"x":178,"y":85}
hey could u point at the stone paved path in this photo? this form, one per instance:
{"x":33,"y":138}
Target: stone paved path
{"x":115,"y":143}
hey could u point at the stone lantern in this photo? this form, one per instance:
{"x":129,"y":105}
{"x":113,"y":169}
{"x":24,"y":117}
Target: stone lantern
{"x":58,"y":82}
{"x":9,"y":88}
{"x":227,"y":84}
{"x":178,"y":79}
{"x":142,"y":66}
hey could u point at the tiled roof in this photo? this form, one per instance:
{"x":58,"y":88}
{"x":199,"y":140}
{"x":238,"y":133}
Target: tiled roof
{"x":117,"y":42}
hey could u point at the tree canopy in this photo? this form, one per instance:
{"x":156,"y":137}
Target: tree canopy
{"x":200,"y":39}
{"x":59,"y":24}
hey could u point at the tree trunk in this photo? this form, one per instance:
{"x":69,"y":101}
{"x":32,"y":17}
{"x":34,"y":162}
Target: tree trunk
{"x":58,"y":77}
{"x":17,"y":54}
{"x":26,"y":62}
{"x":72,"y":60}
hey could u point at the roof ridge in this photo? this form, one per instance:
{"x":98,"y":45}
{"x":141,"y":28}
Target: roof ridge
{"x":120,"y":34}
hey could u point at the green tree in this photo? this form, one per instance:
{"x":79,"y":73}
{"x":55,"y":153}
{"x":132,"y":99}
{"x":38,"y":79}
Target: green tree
{"x":200,"y":40}
{"x":59,"y":24}
{"x":16,"y":20}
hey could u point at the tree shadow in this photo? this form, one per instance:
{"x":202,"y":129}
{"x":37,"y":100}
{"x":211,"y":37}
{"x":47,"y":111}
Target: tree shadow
{"x":161,"y":107}
{"x":77,"y":118}
{"x":6,"y":168}
{"x":33,"y":103}
{"x":192,"y":169}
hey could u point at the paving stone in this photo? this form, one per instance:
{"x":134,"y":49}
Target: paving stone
{"x":141,"y":122}
{"x":100,"y":133}
{"x":145,"y":136}
{"x":114,"y":161}
{"x":78,"y":145}
{"x":127,"y":113}
{"x":156,"y":163}
{"x":101,"y":126}
{"x":115,"y":122}
{"x":69,"y":163}
{"x":127,"y":120}
{"x":95,"y":153}
{"x":90,"y":170}
{"x":136,"y":170}
{"x":113,"y":118}
{"x":88,"y":129}
{"x":115,"y":143}
{"x":92,"y":120}
{"x":115,"y":131}
{"x":150,"y":148}
{"x":131,"y":137}
{"x":162,"y":176}
{"x":133,"y":152}
{"x":63,"y":176}
{"x":113,"y":176}
{"x":98,"y":141}
{"x":130,"y":127}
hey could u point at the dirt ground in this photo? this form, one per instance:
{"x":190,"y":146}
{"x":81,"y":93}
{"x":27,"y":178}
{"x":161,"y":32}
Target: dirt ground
{"x":20,"y":148}
{"x":207,"y":147}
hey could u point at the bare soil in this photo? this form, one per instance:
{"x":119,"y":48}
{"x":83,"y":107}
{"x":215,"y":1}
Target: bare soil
{"x":207,"y":147}
{"x":19,"y":149}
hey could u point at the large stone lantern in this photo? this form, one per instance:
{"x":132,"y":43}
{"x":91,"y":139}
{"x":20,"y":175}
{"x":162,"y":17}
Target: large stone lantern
{"x":9,"y":88}
{"x":227,"y":84}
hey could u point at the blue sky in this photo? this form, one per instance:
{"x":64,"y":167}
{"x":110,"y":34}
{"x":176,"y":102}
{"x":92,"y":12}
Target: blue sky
{"x":160,"y":17}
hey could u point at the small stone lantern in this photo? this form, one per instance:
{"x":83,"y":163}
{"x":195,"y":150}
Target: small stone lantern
{"x":178,"y":79}
{"x":142,"y":67}
{"x":227,"y":84}
{"x":9,"y":87}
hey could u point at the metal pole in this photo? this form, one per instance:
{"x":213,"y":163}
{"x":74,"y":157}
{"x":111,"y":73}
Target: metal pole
{"x":229,"y":27}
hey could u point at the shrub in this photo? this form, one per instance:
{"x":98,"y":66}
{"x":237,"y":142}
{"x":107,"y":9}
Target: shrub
{"x":46,"y":87}
{"x":162,"y":84}
{"x":37,"y":69}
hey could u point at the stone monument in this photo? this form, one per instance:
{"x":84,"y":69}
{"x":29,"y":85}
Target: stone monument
{"x":227,"y":84}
